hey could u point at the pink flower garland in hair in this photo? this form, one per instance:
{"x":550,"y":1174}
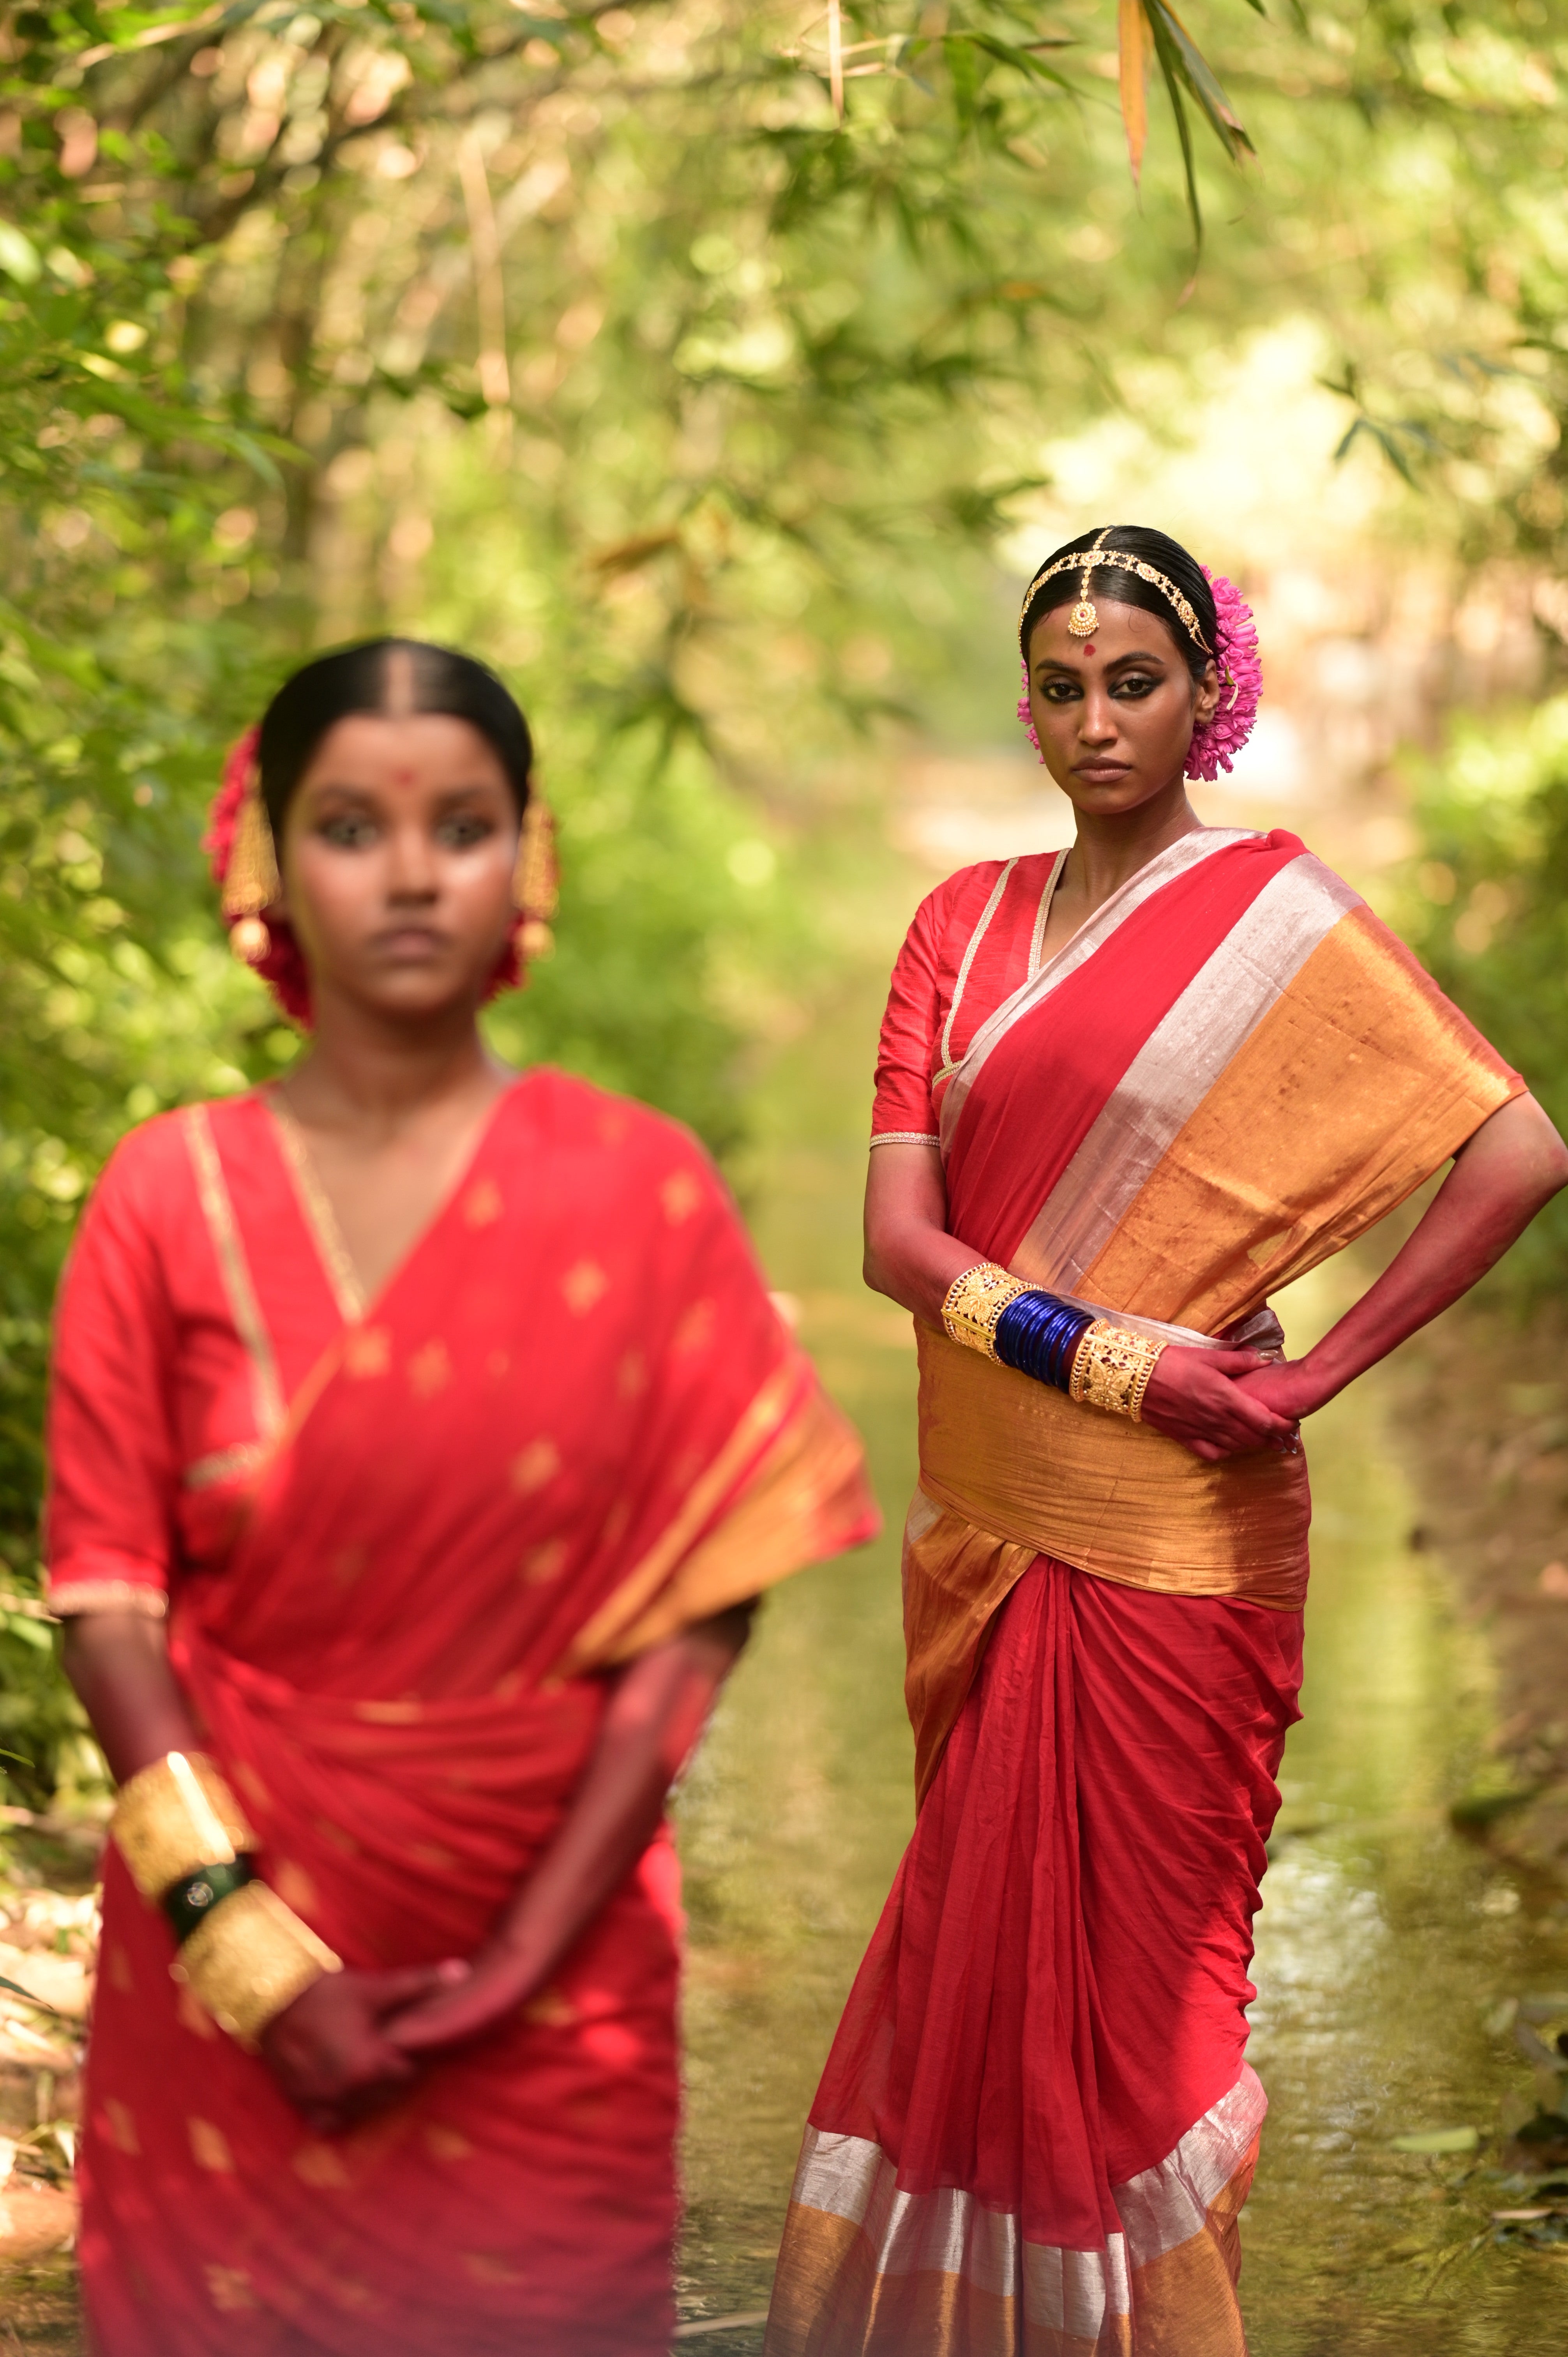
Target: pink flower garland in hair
{"x":1241,"y":670}
{"x":1240,"y":683}
{"x":283,"y":966}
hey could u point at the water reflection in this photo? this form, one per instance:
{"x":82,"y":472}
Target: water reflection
{"x":1385,"y":1941}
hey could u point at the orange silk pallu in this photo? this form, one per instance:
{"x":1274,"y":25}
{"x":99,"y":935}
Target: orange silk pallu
{"x":1036,"y":2126}
{"x":397,"y":1540}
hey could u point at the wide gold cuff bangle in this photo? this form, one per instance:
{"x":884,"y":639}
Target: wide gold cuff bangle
{"x":251,"y":1958}
{"x":1110,"y":1369}
{"x":975,"y":1302}
{"x":175,"y":1815}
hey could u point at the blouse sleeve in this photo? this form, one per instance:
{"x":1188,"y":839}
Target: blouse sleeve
{"x":109,"y":1518}
{"x":902,"y":1112}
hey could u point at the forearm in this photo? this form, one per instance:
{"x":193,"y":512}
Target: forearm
{"x":910,"y":1254}
{"x":655,"y":1714}
{"x":1510,"y":1168}
{"x":119,"y":1665}
{"x":917,"y":1269}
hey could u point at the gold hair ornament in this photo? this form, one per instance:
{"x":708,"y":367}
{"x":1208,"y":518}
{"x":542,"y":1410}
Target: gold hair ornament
{"x":974,"y":1301}
{"x":1084,"y":620}
{"x":253,"y":883}
{"x":1112,"y":1368}
{"x":535,"y":888}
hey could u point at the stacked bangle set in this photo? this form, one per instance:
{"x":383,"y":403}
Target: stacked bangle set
{"x":242,"y":1953}
{"x":1056,"y":1342}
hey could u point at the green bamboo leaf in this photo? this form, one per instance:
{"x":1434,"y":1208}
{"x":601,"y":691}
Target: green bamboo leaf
{"x":1169,"y":60}
{"x":1199,"y":77}
{"x":963,"y":70}
{"x":1024,"y":62}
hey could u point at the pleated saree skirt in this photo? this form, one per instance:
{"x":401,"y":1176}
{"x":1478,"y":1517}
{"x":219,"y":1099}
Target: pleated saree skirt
{"x":1037,"y":2126}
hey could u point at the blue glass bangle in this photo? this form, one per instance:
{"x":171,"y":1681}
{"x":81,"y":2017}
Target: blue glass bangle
{"x":1039,"y":1334}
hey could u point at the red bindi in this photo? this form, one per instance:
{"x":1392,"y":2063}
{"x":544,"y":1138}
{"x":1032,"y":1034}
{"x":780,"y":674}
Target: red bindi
{"x":1089,"y":649}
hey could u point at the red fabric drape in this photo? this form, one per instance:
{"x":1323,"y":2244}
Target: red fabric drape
{"x":1045,"y":1083}
{"x":1055,"y":1991}
{"x":557,"y":1395}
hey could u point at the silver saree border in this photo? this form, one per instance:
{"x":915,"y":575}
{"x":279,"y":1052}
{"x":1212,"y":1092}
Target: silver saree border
{"x":1178,"y":859}
{"x":1178,"y":1065}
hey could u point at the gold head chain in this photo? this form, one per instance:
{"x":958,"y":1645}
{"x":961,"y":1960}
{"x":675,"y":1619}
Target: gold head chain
{"x":1084,"y":620}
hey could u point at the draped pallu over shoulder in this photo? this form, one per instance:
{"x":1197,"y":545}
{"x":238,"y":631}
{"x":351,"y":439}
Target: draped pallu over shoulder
{"x":1037,"y":2126}
{"x":1231,"y":1071}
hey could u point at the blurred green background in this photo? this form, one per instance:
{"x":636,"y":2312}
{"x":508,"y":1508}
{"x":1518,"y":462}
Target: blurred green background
{"x":716,"y":369}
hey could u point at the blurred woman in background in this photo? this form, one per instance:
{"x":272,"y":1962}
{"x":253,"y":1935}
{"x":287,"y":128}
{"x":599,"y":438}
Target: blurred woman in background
{"x":1126,"y":1091}
{"x":421,"y":1433}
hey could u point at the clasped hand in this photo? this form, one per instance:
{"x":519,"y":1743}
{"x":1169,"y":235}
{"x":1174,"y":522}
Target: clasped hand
{"x":1224,"y":1403}
{"x":354,"y":2040}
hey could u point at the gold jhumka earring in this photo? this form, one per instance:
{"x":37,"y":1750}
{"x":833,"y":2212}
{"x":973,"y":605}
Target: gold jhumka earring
{"x":1084,"y":620}
{"x":536,"y":885}
{"x":253,"y":883}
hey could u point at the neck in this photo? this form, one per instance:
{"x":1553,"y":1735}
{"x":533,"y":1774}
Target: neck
{"x":1110,"y":848}
{"x":368,"y":1074}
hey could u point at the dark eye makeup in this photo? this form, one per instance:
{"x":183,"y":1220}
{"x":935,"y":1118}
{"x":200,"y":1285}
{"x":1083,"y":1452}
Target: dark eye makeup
{"x":1128,"y":687}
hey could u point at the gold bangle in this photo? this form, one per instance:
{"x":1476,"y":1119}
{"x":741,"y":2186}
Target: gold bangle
{"x":974,"y":1301}
{"x":251,"y":1958}
{"x":1110,"y":1369}
{"x":175,"y":1815}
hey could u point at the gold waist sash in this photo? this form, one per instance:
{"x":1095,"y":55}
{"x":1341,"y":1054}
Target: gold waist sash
{"x":1013,"y":1469}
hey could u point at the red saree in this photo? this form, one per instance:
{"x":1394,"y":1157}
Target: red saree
{"x":396,"y":1540}
{"x":1037,"y":2126}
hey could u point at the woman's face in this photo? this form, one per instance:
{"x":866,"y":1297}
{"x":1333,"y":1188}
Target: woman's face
{"x":1114,"y":713}
{"x":399,"y":846}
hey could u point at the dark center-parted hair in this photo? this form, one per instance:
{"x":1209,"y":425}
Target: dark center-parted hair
{"x":1123,"y":588}
{"x":394,"y":677}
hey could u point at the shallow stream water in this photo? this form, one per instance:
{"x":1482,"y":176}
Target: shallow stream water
{"x":1387,"y":1943}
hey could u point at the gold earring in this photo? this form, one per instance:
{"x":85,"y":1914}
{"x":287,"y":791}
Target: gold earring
{"x":534,"y":883}
{"x":253,"y":883}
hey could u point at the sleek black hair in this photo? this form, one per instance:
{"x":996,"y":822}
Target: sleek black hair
{"x":394,"y":676}
{"x":1124,"y":588}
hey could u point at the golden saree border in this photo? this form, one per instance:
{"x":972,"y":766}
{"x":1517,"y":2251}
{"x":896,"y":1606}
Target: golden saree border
{"x":1357,"y":1083}
{"x":315,"y":1208}
{"x":868,"y":2270}
{"x":1022,"y":1462}
{"x":804,"y":1497}
{"x":74,"y":1595}
{"x":1010,"y":1468}
{"x":1177,"y":1066}
{"x":217,"y":1210}
{"x":1177,"y":859}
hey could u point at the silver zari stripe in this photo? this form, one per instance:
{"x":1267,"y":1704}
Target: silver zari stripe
{"x":948,"y":2232}
{"x":1177,"y":1067}
{"x":1190,"y":852}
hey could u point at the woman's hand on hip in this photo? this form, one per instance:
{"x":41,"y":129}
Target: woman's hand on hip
{"x":330,"y":2051}
{"x":1197,"y":1397}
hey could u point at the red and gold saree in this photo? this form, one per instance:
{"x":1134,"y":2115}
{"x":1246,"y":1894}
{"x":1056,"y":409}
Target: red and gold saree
{"x":1037,"y":2126}
{"x":396,"y":1541}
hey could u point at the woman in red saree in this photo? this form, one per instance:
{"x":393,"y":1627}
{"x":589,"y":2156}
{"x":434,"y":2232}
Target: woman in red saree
{"x":1125,"y":1093}
{"x":420,"y":1429}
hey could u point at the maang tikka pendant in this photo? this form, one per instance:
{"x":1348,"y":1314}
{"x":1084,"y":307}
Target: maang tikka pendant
{"x":1084,"y":621}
